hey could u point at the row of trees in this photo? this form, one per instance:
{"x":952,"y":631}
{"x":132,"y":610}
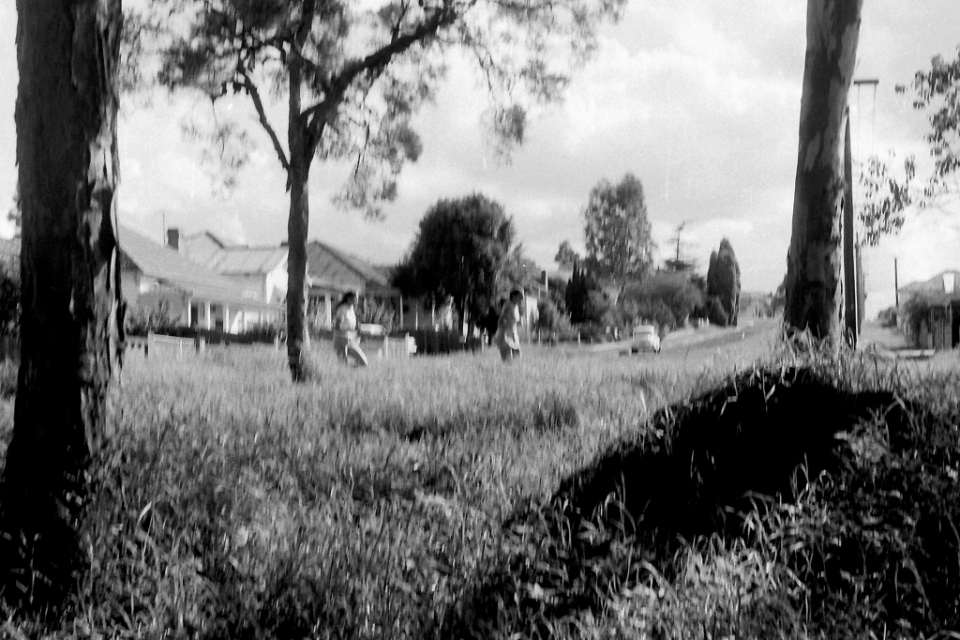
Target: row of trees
{"x":613,"y":282}
{"x":464,"y":251}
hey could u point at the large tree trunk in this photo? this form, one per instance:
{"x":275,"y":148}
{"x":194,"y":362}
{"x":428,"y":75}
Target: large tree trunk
{"x":297,"y":227}
{"x":302,"y":146}
{"x":814,"y":293}
{"x":71,"y":321}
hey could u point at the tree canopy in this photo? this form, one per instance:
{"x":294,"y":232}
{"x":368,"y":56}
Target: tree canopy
{"x":723,"y":281}
{"x":460,"y":250}
{"x":938,"y":92}
{"x":665,"y":298}
{"x":618,"y":233}
{"x":566,"y":256}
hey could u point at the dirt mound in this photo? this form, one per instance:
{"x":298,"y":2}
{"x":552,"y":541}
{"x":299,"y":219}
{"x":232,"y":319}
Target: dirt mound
{"x":692,"y":471}
{"x":701,"y":463}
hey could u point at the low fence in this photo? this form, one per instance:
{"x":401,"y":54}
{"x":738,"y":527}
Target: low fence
{"x":159,"y":345}
{"x":390,"y":346}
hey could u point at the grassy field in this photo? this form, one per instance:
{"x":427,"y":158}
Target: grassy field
{"x":372,"y":503}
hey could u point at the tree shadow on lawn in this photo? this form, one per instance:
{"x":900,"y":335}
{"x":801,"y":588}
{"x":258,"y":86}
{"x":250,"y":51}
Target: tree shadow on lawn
{"x":695,"y":471}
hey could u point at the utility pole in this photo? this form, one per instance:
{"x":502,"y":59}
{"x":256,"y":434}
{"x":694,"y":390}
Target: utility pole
{"x":896,"y":285}
{"x":852,"y":269}
{"x":849,"y":257}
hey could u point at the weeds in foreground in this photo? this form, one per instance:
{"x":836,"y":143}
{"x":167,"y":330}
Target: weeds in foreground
{"x":373,"y":504}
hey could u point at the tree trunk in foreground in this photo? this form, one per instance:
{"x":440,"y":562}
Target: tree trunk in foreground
{"x":71,"y":326}
{"x":297,"y":226}
{"x":814,"y":298}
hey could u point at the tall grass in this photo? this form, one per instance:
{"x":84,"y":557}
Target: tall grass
{"x":371,"y":503}
{"x":230,"y":503}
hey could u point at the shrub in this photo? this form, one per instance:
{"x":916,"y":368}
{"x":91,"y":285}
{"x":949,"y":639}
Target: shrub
{"x":548,"y":316}
{"x":370,"y":312}
{"x":140,"y":321}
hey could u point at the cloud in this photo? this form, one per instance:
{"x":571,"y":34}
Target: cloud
{"x":698,"y":98}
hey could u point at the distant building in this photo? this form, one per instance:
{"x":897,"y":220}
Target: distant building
{"x":152,"y":275}
{"x":332,"y":273}
{"x":255,"y":268}
{"x":939,"y":325}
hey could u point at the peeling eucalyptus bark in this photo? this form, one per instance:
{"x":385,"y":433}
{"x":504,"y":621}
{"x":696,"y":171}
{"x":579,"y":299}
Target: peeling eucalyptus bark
{"x":814,"y":292}
{"x":71,"y":322}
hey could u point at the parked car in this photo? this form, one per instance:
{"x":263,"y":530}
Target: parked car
{"x":645,"y":338}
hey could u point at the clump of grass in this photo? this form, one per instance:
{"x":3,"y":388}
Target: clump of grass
{"x":554,"y":412}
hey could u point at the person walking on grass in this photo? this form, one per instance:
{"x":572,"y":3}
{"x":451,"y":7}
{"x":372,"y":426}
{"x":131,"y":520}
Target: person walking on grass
{"x":507,"y":337}
{"x":346,"y":341}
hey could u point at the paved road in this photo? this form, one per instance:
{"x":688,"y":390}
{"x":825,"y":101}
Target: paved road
{"x":711,"y":345}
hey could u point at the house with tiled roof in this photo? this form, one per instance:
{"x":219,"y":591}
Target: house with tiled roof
{"x":153,"y":275}
{"x":332,"y":273}
{"x":263,"y":268}
{"x":938,"y":326}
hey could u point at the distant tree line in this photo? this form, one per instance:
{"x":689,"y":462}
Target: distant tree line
{"x":464,"y":251}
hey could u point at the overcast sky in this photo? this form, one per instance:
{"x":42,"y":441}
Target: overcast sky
{"x":700,"y":99}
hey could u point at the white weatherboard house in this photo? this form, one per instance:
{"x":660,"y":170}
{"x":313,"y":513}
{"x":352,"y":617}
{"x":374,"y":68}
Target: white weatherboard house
{"x":259,"y":268}
{"x":153,"y":275}
{"x":331,"y":273}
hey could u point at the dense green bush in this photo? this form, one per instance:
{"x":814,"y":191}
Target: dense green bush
{"x":140,"y":321}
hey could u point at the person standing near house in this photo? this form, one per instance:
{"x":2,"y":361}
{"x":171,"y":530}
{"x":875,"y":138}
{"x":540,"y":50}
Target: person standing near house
{"x":507,"y":337}
{"x":346,"y":341}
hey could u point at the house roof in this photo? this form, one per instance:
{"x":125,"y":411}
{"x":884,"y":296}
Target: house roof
{"x":208,"y":234}
{"x":171,"y":268}
{"x":936,"y":286}
{"x":247,"y":260}
{"x":337,"y":269}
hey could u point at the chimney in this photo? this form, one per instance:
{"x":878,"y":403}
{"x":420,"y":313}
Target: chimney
{"x":173,"y":238}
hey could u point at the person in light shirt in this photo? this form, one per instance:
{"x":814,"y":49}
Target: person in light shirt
{"x":346,"y":341}
{"x":507,"y":337}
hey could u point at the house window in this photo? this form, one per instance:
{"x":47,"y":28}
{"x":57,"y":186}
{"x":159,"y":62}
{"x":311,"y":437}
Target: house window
{"x":194,"y":315}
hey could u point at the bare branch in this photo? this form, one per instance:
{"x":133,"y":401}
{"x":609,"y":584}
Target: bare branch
{"x":382,"y":56}
{"x":254,"y":94}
